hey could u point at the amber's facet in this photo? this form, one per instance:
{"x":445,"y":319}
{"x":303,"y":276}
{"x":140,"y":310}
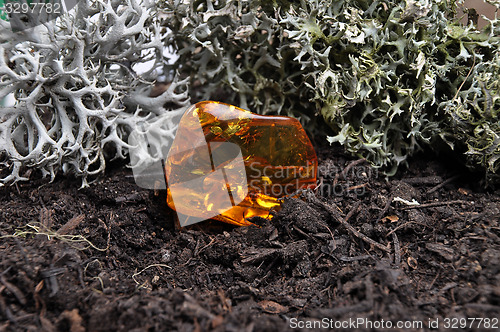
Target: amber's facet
{"x":237,"y":165}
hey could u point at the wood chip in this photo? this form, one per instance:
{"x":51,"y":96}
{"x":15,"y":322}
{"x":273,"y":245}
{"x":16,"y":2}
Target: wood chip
{"x":272,"y":307}
{"x":442,"y":250}
{"x":73,"y":223}
{"x":392,"y":218}
{"x":412,"y":262}
{"x":75,"y":320}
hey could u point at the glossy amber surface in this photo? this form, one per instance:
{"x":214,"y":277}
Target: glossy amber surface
{"x":238,"y":165}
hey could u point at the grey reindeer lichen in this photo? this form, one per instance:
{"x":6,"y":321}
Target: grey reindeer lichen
{"x":77,"y":94}
{"x":388,"y":76}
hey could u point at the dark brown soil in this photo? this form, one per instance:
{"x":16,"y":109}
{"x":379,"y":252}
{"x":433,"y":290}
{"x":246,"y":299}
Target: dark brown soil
{"x":108,"y":257}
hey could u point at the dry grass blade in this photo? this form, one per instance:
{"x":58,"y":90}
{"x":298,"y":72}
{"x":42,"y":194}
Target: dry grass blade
{"x":39,"y":229}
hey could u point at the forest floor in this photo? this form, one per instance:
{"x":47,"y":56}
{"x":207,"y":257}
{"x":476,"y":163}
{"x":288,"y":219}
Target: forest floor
{"x":109,"y":257}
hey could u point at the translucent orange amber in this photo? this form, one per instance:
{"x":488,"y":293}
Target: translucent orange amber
{"x":237,"y":165}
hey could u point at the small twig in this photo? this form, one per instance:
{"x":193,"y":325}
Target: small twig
{"x":268,"y":268}
{"x":6,"y":311}
{"x":357,"y":186}
{"x":466,"y":77}
{"x":205,"y":247}
{"x":434,"y":280}
{"x":352,"y":229}
{"x":329,"y":231}
{"x":108,"y":228}
{"x":405,"y":224}
{"x":346,"y":170}
{"x":351,"y":165}
{"x":354,"y":258}
{"x":424,"y":180}
{"x":319,"y":184}
{"x":351,"y":212}
{"x":433,"y":204}
{"x":304,"y":233}
{"x":385,"y":209}
{"x":445,"y":182}
{"x":397,"y":250}
{"x":18,"y":294}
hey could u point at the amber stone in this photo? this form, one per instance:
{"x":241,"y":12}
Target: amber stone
{"x":229,"y":164}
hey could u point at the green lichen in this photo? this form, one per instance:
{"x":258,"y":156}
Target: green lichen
{"x":388,"y":77}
